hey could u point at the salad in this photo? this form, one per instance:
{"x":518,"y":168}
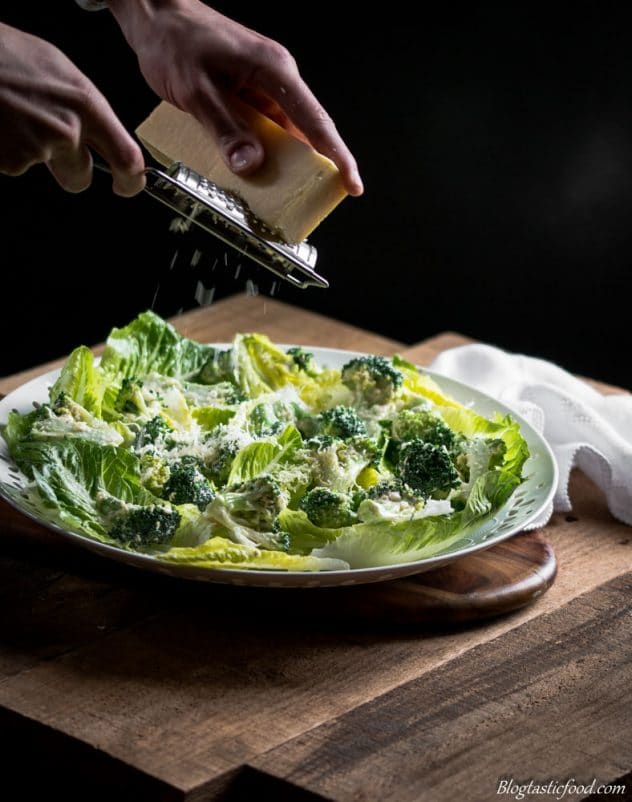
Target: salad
{"x":252,"y":457}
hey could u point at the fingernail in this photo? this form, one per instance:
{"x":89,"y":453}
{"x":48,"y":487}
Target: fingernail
{"x":242,"y":158}
{"x":358,"y":186}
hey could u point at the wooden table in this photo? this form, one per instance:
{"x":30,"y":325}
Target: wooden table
{"x":119,"y":685}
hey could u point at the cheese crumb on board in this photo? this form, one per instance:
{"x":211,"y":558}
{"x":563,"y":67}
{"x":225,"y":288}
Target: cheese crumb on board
{"x":292,"y":192}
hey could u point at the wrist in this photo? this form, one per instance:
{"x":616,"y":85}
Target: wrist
{"x":135,"y":16}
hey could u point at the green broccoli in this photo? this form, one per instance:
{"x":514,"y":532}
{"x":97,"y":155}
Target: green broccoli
{"x":140,"y":527}
{"x":154,"y":472}
{"x":187,"y":484}
{"x":427,"y":469}
{"x":328,"y":509}
{"x":308,"y":425}
{"x":130,"y":397}
{"x":342,"y":422}
{"x":320,"y":442}
{"x":304,"y":360}
{"x":219,"y":367}
{"x":154,"y":432}
{"x":391,"y":499}
{"x":421,"y":423}
{"x":264,"y":421}
{"x":335,"y":464}
{"x":373,"y":379}
{"x":393,"y":487}
{"x":219,"y":464}
{"x":255,"y":503}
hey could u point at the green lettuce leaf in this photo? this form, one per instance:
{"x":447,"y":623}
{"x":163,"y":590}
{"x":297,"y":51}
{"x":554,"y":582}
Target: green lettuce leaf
{"x":260,"y":367}
{"x":210,"y":417}
{"x":263,"y":456}
{"x":70,"y":421}
{"x":151,"y":345}
{"x":71,"y":475}
{"x":219,"y":552}
{"x":386,"y":543}
{"x":81,"y":380}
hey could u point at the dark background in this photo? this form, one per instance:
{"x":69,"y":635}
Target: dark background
{"x":496,"y":147}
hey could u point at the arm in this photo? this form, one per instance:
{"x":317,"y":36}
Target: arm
{"x":200,"y":60}
{"x":50,"y":113}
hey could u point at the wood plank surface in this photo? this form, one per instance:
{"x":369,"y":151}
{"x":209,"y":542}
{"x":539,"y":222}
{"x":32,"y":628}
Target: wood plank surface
{"x":168,"y":690}
{"x":551,"y":699}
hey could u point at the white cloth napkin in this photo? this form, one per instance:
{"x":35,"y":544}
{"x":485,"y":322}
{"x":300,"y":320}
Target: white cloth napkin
{"x":584,"y":428}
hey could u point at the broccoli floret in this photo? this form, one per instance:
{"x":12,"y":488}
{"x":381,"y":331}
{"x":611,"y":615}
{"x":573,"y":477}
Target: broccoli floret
{"x":154,"y":432}
{"x":255,"y":503}
{"x":423,"y":424}
{"x":427,"y":469}
{"x":304,"y":360}
{"x":220,"y":464}
{"x":264,"y":421}
{"x":154,"y":472}
{"x":219,"y":367}
{"x":393,"y":488}
{"x":144,"y":526}
{"x":342,"y":422}
{"x":320,"y":442}
{"x":328,"y":509}
{"x":358,"y":495}
{"x":308,"y":425}
{"x":391,"y":499}
{"x":130,"y":397}
{"x":187,"y":484}
{"x":373,"y":379}
{"x":335,"y":464}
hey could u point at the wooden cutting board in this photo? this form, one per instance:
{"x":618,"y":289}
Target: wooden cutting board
{"x":116,"y":684}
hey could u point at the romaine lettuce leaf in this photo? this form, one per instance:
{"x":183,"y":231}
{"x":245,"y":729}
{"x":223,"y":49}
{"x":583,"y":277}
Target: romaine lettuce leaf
{"x":71,"y":476}
{"x":210,"y":417}
{"x":263,"y":456}
{"x":218,"y":552}
{"x":151,"y":345}
{"x":387,"y":543}
{"x":81,"y":380}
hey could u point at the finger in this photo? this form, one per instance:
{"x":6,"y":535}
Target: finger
{"x":72,"y":168}
{"x":270,"y":109}
{"x":106,"y":134}
{"x":241,"y":149}
{"x":282,"y":82}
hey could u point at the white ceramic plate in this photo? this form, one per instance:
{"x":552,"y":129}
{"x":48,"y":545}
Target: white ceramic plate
{"x":528,"y":500}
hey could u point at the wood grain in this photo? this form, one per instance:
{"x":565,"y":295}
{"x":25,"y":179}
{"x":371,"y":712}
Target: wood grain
{"x":550,"y":699}
{"x":175,"y":691}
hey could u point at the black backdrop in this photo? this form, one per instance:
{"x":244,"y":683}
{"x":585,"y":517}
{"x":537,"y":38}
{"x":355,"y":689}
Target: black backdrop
{"x":496,"y":147}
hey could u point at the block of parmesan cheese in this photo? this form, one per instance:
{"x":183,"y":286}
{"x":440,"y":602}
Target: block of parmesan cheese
{"x":294,"y":190}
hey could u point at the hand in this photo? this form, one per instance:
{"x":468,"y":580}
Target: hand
{"x":50,"y":112}
{"x":198,"y":59}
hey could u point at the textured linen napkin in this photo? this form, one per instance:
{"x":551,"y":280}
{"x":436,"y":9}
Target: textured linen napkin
{"x":584,"y":428}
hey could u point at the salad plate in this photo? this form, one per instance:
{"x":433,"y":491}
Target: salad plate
{"x":526,"y":501}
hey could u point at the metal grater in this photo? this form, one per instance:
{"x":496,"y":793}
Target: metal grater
{"x":227,"y":217}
